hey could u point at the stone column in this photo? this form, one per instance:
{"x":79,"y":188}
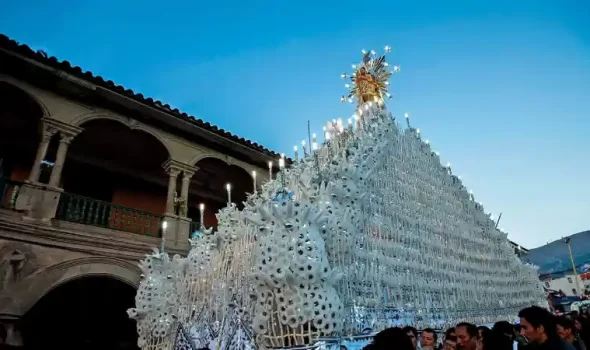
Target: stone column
{"x":48,"y":133}
{"x":60,"y":159}
{"x":13,"y":336}
{"x":173,"y":173}
{"x":186,"y":179}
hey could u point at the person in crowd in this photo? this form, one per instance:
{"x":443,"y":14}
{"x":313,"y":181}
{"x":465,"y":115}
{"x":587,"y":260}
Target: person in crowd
{"x":450,"y":343}
{"x":582,"y":326}
{"x":521,"y":340}
{"x":481,"y":330}
{"x":505,"y":328}
{"x":494,"y":340}
{"x":466,"y":336}
{"x":450,"y":332}
{"x":413,"y":334}
{"x":567,"y":331}
{"x":538,"y":326}
{"x":390,"y":338}
{"x":428,"y":339}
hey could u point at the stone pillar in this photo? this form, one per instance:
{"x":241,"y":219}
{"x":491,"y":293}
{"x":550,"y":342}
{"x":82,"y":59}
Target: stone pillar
{"x":173,"y":175}
{"x":13,"y":336}
{"x":60,"y":159}
{"x":186,"y":179}
{"x":178,"y":225}
{"x":39,"y":201}
{"x":48,"y":133}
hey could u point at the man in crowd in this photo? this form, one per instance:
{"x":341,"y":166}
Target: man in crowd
{"x":567,"y":332}
{"x":413,"y":334}
{"x":538,"y":326}
{"x":428,"y":339}
{"x":466,"y":336}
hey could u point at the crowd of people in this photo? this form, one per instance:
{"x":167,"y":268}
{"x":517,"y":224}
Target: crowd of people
{"x":538,"y":329}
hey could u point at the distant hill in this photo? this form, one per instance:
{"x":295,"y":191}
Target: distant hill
{"x":553,"y":258}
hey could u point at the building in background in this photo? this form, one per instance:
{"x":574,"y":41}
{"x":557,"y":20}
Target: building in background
{"x":519,"y":250}
{"x":89,"y":171}
{"x":555,"y":264}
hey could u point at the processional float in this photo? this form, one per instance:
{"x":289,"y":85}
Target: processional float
{"x":367,"y":231}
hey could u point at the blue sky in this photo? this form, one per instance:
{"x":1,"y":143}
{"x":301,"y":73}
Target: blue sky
{"x":500,"y":88}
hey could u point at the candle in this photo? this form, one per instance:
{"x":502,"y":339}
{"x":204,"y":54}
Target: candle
{"x":269,"y":170}
{"x":202,"y":214}
{"x":228,"y":186}
{"x":254,"y":179}
{"x":304,"y":149}
{"x":281,"y":163}
{"x":163,"y":242}
{"x":296,"y":153}
{"x":314,"y":142}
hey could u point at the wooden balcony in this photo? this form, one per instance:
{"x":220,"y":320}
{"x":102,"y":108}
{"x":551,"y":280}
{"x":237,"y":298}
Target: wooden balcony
{"x":89,"y":211}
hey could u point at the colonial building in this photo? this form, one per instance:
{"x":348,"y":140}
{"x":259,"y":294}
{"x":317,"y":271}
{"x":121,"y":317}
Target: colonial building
{"x":89,"y":171}
{"x":519,"y":250}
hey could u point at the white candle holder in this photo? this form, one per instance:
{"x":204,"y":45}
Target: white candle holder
{"x":202,"y":215}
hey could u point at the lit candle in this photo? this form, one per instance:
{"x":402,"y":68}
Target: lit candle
{"x":228,"y":186}
{"x":281,"y":163}
{"x":339,"y":125}
{"x":314,"y":142}
{"x":163,"y":242}
{"x":269,"y":170}
{"x":303,"y":147}
{"x":202,"y":215}
{"x":254,"y":179}
{"x":296,"y":153}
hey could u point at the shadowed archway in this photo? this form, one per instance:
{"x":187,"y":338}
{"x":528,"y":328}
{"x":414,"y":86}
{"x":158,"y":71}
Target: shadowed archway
{"x":20,"y":116}
{"x":84,"y":313}
{"x":109,"y":161}
{"x":208,"y":186}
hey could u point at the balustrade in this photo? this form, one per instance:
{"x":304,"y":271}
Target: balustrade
{"x":9,"y":190}
{"x":88,"y":211}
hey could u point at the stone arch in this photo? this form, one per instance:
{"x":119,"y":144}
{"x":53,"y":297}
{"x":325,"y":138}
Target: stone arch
{"x":227,"y":159}
{"x":208,"y":187}
{"x":21,"y":115}
{"x":130,"y":123}
{"x":25,"y":89}
{"x":24,"y":296}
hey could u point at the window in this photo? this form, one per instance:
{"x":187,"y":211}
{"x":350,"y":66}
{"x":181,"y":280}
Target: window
{"x":569,"y":279}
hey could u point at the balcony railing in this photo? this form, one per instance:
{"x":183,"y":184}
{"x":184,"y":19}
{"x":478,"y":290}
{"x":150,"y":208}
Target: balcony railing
{"x":88,"y":211}
{"x":9,"y":190}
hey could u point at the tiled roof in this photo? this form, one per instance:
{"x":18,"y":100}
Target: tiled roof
{"x":65,"y":66}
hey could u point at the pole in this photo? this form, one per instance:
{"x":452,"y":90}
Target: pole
{"x":569,"y":247}
{"x":498,"y":222}
{"x":309,"y":136}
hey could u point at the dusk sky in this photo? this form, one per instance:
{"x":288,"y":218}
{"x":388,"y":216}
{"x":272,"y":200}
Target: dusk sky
{"x":500,"y":88}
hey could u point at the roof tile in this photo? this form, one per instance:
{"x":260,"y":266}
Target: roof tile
{"x":24,"y":50}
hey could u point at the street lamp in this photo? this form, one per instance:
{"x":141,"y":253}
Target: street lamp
{"x":567,"y":240}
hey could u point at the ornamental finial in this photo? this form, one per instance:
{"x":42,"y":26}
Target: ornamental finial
{"x":370,"y":79}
